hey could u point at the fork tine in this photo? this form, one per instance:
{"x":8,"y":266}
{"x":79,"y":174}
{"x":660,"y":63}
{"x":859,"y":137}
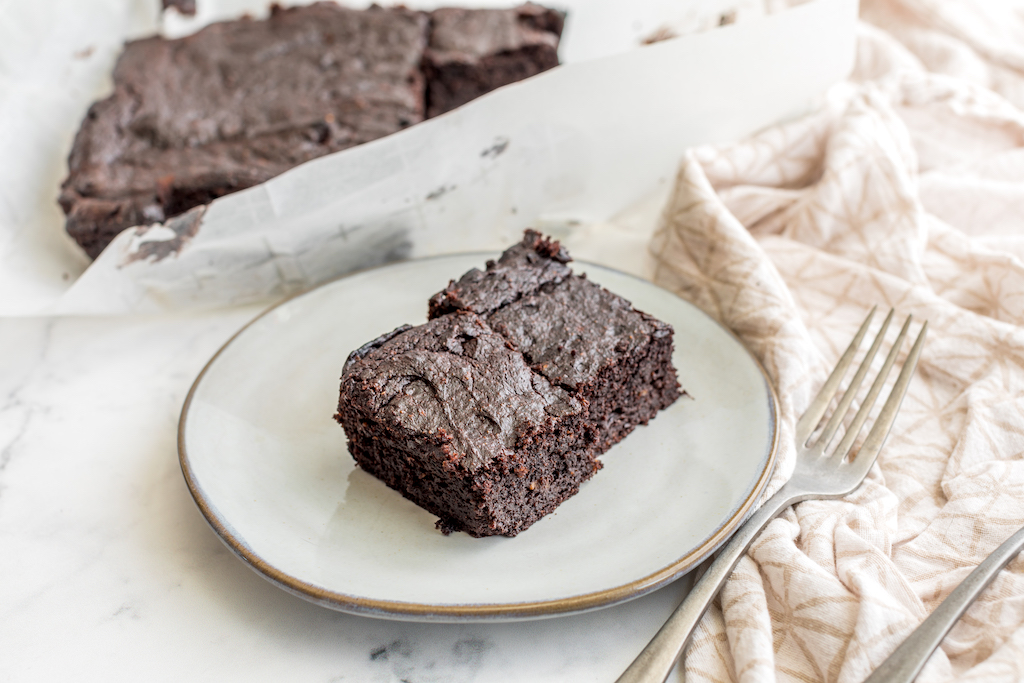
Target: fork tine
{"x":851,"y":391}
{"x":869,"y":401}
{"x":876,"y":437}
{"x":812,"y":416}
{"x":847,"y":443}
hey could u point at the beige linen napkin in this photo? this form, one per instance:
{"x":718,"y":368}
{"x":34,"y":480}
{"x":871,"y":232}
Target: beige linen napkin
{"x":907,"y":190}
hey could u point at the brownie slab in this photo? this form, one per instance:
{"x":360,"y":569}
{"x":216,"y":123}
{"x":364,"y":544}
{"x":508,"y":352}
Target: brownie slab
{"x":234,"y":105}
{"x":452,"y":418}
{"x":240,"y":102}
{"x":494,"y":411}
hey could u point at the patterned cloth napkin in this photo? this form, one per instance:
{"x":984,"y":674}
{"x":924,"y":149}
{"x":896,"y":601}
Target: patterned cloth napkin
{"x":906,"y":190}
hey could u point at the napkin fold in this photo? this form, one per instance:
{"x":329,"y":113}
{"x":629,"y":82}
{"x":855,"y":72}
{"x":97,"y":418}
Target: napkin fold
{"x":906,"y":189}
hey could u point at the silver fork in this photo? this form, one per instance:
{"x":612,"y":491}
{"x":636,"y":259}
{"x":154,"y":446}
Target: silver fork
{"x":817,"y":475}
{"x":903,"y":665}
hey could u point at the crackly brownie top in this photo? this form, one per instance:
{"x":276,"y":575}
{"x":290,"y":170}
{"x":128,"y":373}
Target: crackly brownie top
{"x":569,"y":331}
{"x":521,"y":270}
{"x":453,"y":377}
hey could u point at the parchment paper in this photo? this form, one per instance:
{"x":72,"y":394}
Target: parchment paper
{"x":571,"y":147}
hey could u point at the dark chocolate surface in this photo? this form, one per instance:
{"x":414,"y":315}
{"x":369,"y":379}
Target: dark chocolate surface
{"x":571,"y":330}
{"x":453,"y":376}
{"x":240,"y":102}
{"x":521,"y":270}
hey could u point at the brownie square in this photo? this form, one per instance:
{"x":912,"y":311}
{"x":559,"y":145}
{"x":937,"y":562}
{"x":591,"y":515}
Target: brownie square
{"x":452,"y":418}
{"x":495,"y":410}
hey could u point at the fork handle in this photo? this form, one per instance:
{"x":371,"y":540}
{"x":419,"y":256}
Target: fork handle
{"x":655,"y":662}
{"x":909,"y":658}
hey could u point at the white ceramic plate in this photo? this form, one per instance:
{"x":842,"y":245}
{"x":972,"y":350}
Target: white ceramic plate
{"x":269,"y":468}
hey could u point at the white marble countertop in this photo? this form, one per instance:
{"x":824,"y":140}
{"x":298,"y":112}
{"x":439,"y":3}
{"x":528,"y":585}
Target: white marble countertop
{"x":110,"y":572}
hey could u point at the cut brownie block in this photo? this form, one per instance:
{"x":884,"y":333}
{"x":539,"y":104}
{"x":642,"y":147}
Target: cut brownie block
{"x":448,"y":415}
{"x":473,"y":52}
{"x":495,"y":410}
{"x":240,"y":102}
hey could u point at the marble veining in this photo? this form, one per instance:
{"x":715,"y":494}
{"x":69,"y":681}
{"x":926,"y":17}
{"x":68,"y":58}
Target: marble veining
{"x":16,"y":413}
{"x":408,"y":660}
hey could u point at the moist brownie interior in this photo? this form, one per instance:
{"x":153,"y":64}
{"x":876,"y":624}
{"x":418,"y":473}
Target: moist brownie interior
{"x":448,"y":413}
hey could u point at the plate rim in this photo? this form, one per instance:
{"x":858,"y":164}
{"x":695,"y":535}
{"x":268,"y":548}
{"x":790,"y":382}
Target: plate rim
{"x":511,"y":611}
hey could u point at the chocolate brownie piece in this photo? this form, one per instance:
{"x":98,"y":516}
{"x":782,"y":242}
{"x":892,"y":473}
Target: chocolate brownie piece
{"x":240,"y":102}
{"x":596,"y":345}
{"x":452,"y":418}
{"x":574,"y":332}
{"x":473,"y":52}
{"x":494,"y":411}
